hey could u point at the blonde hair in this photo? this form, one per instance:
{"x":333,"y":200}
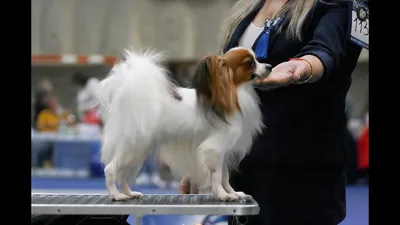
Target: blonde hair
{"x":298,"y":12}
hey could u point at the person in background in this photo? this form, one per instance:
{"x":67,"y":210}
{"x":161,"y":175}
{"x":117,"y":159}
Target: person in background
{"x":87,"y":101}
{"x":44,"y":89}
{"x":48,"y":120}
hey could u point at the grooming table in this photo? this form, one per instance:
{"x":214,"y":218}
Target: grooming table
{"x":80,"y":204}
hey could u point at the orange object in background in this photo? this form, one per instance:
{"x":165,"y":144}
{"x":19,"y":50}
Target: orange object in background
{"x":91,"y":117}
{"x":363,"y":149}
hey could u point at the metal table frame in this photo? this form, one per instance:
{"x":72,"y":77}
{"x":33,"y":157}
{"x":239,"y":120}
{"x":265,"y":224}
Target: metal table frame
{"x":165,"y":204}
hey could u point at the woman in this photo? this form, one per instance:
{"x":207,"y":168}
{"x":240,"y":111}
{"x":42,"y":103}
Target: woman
{"x":295,"y":170}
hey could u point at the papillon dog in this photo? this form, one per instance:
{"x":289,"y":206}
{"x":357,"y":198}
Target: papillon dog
{"x":202,"y":132}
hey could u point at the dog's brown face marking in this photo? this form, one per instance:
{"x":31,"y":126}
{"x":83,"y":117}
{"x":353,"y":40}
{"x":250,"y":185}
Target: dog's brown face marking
{"x":242,"y":63}
{"x":217,"y":78}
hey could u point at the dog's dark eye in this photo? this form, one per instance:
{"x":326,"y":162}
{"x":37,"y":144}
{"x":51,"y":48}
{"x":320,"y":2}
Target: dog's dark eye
{"x":250,"y":62}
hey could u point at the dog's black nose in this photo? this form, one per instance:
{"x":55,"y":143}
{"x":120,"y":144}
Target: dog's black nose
{"x":268,"y":67}
{"x":253,"y":76}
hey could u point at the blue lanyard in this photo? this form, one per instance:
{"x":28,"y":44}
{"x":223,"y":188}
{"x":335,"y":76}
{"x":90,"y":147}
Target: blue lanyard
{"x":261,"y":48}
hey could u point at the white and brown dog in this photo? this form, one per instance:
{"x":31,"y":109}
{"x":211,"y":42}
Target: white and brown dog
{"x":201,"y":132}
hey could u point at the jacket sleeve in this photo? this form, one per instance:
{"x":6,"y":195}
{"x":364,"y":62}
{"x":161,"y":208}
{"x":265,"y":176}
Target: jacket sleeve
{"x":330,"y":38}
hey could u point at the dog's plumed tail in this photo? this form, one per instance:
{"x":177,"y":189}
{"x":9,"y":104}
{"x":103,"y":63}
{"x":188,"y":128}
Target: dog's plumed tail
{"x":131,"y":98}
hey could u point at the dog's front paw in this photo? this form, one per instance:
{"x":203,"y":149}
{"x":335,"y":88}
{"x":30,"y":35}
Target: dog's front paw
{"x":241,"y":195}
{"x":135,"y":194}
{"x":119,"y":197}
{"x":227,"y":197}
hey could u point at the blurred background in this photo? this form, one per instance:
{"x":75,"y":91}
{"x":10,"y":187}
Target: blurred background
{"x":75,"y":43}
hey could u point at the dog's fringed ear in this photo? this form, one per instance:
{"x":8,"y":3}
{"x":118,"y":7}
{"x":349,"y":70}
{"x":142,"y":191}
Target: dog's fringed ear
{"x":216,"y":91}
{"x":202,"y":78}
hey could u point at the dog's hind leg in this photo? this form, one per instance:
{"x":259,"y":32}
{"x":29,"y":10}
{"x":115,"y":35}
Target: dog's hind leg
{"x":122,"y":180}
{"x":109,"y":172}
{"x":129,"y":167}
{"x":126,"y":172}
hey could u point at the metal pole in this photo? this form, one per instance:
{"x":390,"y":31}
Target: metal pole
{"x":138,"y":220}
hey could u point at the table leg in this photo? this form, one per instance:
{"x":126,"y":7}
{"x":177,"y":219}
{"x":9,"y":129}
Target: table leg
{"x":138,"y":220}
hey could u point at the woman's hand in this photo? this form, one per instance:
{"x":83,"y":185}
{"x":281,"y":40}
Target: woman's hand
{"x":285,"y":74}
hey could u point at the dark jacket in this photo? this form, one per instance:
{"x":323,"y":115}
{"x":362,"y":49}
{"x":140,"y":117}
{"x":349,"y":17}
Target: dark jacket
{"x":305,"y":123}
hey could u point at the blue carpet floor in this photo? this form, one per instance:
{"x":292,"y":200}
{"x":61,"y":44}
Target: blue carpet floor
{"x":357,"y":197}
